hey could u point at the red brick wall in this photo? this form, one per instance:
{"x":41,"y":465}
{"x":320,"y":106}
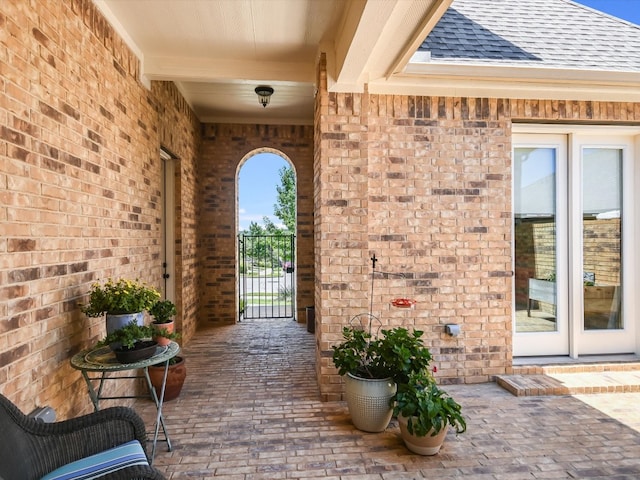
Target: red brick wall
{"x":223,"y":149}
{"x":80,"y":184}
{"x":425,"y":184}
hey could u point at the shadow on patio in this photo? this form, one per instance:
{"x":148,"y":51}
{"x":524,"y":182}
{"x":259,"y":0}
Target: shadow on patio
{"x":250,"y":410}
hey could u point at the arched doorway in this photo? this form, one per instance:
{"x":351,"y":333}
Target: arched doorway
{"x":223,"y":151}
{"x":266,"y":225}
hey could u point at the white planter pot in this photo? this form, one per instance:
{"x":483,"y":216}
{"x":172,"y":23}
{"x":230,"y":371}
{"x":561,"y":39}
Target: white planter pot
{"x":116,"y":322}
{"x":368,"y":402}
{"x":427,"y":445}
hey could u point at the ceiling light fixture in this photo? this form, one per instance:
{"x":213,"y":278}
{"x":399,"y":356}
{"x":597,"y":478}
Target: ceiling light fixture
{"x":264,"y":94}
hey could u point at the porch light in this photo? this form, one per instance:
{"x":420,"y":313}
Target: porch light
{"x":264,"y":94}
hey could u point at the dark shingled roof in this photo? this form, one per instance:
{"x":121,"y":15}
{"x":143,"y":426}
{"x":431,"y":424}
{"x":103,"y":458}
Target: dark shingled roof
{"x":536,"y":33}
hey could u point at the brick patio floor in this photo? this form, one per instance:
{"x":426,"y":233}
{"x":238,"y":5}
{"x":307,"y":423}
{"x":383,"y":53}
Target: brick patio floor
{"x":250,"y":410}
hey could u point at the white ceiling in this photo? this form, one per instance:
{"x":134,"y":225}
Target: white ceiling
{"x":218,"y":51}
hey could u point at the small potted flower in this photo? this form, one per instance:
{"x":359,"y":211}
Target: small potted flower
{"x":162,"y":312}
{"x":121,"y":301}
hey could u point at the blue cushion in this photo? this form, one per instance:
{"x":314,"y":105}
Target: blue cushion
{"x":100,"y":464}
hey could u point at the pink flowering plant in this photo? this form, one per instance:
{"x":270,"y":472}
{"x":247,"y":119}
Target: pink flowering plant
{"x":119,"y":297}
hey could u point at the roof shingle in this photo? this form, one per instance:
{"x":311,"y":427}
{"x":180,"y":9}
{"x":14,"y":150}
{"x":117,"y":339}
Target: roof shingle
{"x":536,"y":33}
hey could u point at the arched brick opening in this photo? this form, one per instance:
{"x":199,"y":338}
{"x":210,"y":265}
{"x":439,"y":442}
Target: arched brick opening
{"x":269,"y":160}
{"x":225,"y":148}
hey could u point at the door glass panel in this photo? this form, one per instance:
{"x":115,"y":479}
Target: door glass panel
{"x":601,"y":237}
{"x":535,"y":239}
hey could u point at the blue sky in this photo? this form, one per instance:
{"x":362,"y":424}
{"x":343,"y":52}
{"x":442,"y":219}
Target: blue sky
{"x":626,"y":9}
{"x":257,"y":188}
{"x":259,"y":175}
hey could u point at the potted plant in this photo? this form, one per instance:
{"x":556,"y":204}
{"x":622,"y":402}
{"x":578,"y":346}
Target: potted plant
{"x":425,"y":413}
{"x":131,"y":343}
{"x":121,"y":300}
{"x":176,"y":375}
{"x":162,"y":312}
{"x":372,"y":367}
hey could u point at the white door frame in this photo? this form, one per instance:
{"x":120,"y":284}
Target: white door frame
{"x":581,"y":342}
{"x":168,"y":253}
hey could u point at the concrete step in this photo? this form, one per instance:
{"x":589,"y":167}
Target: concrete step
{"x":575,"y":379}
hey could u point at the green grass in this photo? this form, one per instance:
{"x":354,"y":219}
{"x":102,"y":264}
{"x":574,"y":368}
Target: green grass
{"x":263,"y":298}
{"x":267,"y":302}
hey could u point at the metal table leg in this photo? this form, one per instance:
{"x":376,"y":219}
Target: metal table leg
{"x":93,"y":394}
{"x":158,"y":401}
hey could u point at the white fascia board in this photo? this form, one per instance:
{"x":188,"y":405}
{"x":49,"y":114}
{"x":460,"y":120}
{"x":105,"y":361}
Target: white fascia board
{"x":461,"y":85}
{"x":515,"y":73}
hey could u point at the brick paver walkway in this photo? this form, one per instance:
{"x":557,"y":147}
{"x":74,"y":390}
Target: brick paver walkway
{"x":250,"y":410}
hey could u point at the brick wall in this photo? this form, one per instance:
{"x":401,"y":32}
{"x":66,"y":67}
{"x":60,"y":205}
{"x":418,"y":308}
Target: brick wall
{"x":422,"y":182}
{"x":224,"y":147}
{"x":80,"y":184}
{"x":425,"y":184}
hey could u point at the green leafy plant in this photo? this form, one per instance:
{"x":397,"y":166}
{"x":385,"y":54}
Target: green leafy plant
{"x":403,"y":353}
{"x":396,"y":354}
{"x":426,"y":406}
{"x":162,"y":311}
{"x":358,"y":355}
{"x":163,"y":332}
{"x":119,"y":297}
{"x":130,"y":334}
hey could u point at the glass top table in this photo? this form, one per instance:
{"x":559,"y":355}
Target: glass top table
{"x":102,"y":360}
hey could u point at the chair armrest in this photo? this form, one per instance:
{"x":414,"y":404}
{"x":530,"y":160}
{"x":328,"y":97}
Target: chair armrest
{"x":59,"y":443}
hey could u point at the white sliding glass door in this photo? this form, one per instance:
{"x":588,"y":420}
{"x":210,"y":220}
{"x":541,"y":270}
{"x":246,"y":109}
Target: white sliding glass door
{"x":574,"y":260}
{"x":540,"y":244}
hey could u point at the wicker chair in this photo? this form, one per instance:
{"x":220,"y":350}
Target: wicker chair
{"x":29,"y":448}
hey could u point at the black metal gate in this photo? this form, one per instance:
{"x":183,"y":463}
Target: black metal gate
{"x":267,"y":276}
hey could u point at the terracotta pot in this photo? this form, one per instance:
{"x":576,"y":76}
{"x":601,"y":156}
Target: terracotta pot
{"x":427,"y":445}
{"x":162,"y":341}
{"x":175,"y":378}
{"x":368,"y":402}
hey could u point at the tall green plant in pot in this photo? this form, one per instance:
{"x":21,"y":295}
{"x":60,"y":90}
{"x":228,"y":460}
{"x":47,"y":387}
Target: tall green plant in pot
{"x":372,"y":366}
{"x":162,"y":312}
{"x":425,"y":413}
{"x":122,"y":301}
{"x":368,"y":384}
